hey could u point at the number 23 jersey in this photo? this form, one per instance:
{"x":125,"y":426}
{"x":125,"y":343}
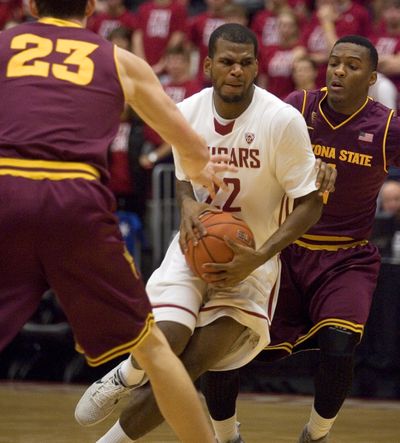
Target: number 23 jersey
{"x":68,"y":78}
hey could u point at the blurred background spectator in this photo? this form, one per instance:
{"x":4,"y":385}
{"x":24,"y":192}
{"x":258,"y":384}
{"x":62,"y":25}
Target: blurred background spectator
{"x":111,"y":14}
{"x":200,"y":27}
{"x":304,"y":74}
{"x":276,"y":61}
{"x":161,"y":25}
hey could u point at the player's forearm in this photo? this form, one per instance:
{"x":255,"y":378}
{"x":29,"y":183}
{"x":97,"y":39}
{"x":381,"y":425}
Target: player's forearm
{"x":184,"y":191}
{"x":306,"y":213}
{"x":147,"y":97}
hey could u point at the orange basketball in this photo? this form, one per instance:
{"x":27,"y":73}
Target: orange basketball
{"x":212,"y":247}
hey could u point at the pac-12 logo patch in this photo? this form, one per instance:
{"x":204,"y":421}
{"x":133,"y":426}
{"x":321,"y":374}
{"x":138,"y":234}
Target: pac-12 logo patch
{"x":249,"y":136}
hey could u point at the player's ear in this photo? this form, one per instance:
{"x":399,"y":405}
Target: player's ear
{"x":90,"y":8}
{"x":33,"y":9}
{"x":373,"y":78}
{"x":207,"y":66}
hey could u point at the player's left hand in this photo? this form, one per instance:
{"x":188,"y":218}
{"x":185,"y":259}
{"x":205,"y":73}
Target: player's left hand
{"x":326,"y":177}
{"x":244,"y":261}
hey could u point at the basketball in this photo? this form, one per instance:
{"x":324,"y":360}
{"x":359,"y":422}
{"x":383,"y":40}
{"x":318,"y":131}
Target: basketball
{"x":212,"y":247}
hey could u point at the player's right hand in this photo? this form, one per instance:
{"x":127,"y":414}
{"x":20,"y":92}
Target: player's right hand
{"x":191,"y":227}
{"x":326,"y":177}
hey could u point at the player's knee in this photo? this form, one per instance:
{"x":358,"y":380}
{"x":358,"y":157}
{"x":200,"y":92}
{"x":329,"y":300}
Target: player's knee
{"x":337,"y":341}
{"x":176,"y":334}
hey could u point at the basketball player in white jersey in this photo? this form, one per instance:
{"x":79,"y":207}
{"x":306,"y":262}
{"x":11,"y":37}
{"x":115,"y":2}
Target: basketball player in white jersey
{"x":224,"y":325}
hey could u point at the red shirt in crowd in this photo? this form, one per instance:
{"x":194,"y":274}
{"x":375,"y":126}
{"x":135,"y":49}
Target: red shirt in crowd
{"x":158,"y":23}
{"x":104,"y":23}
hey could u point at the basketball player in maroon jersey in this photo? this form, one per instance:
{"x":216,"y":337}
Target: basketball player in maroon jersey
{"x":329,"y":274}
{"x":63,"y":89}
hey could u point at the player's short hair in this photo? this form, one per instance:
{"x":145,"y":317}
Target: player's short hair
{"x":362,"y":41}
{"x":232,"y":32}
{"x":61,"y":8}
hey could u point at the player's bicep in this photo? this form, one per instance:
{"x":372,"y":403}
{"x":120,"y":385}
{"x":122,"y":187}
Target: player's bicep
{"x":295,"y":161}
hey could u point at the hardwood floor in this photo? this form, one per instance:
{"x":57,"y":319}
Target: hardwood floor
{"x":43,"y":413}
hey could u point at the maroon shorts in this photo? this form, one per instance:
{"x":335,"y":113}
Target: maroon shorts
{"x":322,"y":288}
{"x":61,"y":233}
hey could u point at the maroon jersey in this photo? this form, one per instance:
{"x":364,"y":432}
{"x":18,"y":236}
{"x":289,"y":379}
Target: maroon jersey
{"x":361,"y":146}
{"x":56,"y":66}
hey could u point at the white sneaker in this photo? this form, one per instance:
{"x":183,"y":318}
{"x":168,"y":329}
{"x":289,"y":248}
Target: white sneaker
{"x":101,"y":398}
{"x":305,"y":437}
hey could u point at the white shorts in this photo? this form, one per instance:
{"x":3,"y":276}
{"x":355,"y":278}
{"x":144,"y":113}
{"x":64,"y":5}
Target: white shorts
{"x":177,"y":295}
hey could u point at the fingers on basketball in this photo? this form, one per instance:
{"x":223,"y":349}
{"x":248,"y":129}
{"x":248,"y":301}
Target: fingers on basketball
{"x":212,"y":247}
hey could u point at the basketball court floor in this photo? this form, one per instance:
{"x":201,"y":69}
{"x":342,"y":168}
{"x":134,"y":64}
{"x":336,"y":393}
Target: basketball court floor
{"x":43,"y":413}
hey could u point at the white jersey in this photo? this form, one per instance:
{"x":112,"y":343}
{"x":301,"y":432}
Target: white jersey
{"x":269,"y":143}
{"x":270,"y":146}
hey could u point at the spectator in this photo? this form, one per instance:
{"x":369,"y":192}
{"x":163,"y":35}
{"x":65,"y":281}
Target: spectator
{"x":114,"y":16}
{"x":10,"y":10}
{"x":161,"y":25}
{"x":234,"y":13}
{"x":265,"y":22}
{"x":200,"y":28}
{"x":387,"y":43}
{"x":304,"y":73}
{"x":331,"y":20}
{"x":390,"y":198}
{"x":276,"y":61}
{"x":179,"y":85}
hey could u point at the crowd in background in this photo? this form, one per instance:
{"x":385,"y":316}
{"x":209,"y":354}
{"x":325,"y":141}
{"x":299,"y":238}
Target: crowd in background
{"x":295,"y":38}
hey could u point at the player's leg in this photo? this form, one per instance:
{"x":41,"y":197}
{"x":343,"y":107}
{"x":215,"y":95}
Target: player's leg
{"x":221,"y":389}
{"x":173,"y":389}
{"x":332,"y":381}
{"x":207,"y":346}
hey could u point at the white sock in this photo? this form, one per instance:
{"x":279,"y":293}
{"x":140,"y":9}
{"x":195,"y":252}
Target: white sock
{"x":129,"y":374}
{"x":319,"y":426}
{"x":225,"y":430}
{"x":115,"y":435}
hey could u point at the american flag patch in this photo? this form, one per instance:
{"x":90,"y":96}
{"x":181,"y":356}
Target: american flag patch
{"x":366,"y":137}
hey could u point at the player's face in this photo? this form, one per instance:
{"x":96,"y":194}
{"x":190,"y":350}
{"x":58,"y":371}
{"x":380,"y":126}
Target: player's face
{"x":348,"y":77}
{"x":232,"y":71}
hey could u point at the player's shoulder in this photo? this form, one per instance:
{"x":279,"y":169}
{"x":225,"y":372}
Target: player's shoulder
{"x":273,"y":108}
{"x":196,"y":101}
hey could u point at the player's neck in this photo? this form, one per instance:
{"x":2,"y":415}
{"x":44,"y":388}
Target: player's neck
{"x":231,"y":110}
{"x":346,"y":108}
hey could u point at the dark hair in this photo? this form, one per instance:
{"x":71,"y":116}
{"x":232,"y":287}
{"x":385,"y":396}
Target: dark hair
{"x":120,"y":32}
{"x":179,"y":49}
{"x":362,"y":41}
{"x":232,"y":32}
{"x":61,"y":8}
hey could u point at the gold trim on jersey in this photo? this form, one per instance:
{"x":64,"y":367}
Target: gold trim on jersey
{"x":118,"y":70}
{"x":303,"y":106}
{"x":347,"y":119}
{"x":345,"y":324}
{"x":329,"y":247}
{"x":121,"y":349}
{"x":385,"y":168}
{"x":59,"y":22}
{"x":47,"y":169}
